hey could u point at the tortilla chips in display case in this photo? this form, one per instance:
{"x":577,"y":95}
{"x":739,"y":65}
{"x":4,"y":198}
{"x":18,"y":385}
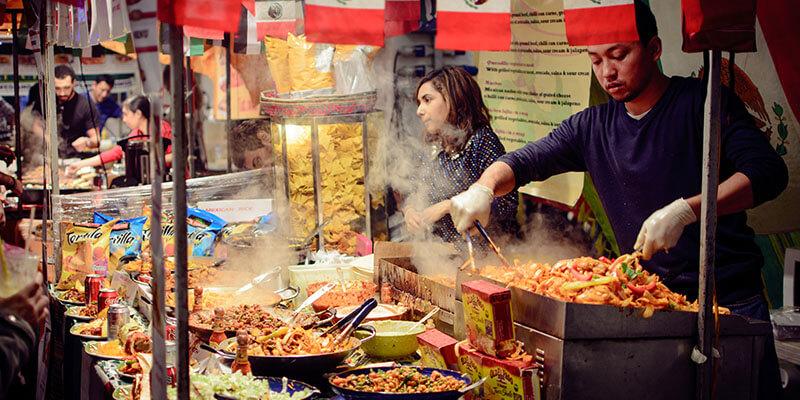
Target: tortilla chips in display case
{"x":321,"y":146}
{"x":341,"y":155}
{"x":300,"y":176}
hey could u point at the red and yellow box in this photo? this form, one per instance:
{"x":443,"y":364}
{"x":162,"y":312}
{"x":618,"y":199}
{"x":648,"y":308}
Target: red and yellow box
{"x":470,"y":363}
{"x":437,"y":350}
{"x":487,"y":315}
{"x":510,"y":379}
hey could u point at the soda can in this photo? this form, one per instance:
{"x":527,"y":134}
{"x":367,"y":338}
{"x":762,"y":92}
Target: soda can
{"x":170,"y":357}
{"x":106,"y":297}
{"x":169,"y":328}
{"x":145,"y":278}
{"x":92,"y":285}
{"x":172,"y":376}
{"x":100,"y":269}
{"x":118,"y":315}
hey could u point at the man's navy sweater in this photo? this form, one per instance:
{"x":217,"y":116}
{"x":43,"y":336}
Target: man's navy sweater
{"x":640,"y":166}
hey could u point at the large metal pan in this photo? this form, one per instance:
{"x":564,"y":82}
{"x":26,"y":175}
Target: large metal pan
{"x":204,"y":331}
{"x":311,"y":365}
{"x":449,"y":395}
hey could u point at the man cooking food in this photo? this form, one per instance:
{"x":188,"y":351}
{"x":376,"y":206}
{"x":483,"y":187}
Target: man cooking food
{"x":643,"y":151}
{"x":77,"y":119}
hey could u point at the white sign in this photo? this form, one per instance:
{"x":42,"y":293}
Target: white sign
{"x":237,"y":210}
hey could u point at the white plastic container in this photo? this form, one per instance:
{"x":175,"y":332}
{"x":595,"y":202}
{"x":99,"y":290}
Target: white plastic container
{"x":300,"y":276}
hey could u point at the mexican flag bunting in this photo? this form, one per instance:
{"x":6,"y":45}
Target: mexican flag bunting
{"x":276,"y":18}
{"x":402,"y":16}
{"x":477,"y":25}
{"x":245,"y":40}
{"x":591,"y":22}
{"x":345,"y":21}
{"x":209,"y":14}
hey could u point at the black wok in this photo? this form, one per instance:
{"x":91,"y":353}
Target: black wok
{"x":301,"y":365}
{"x":448,"y":395}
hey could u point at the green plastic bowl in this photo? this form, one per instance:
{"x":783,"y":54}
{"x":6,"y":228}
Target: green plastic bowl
{"x":393,"y":339}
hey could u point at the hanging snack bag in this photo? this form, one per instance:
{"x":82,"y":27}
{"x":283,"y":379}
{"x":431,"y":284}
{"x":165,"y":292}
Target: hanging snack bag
{"x":203,"y":228}
{"x":85,"y":247}
{"x":125,"y":241}
{"x":351,"y":65}
{"x":310,"y":67}
{"x":278,"y":61}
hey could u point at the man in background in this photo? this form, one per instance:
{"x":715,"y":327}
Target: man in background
{"x":104,"y":104}
{"x":250,"y":141}
{"x":77,"y":119}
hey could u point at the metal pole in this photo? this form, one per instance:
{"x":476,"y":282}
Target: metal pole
{"x":317,"y":171}
{"x":43,"y":34}
{"x":179,"y":203}
{"x":50,"y":116}
{"x":158,"y":375}
{"x":228,"y":110}
{"x":367,"y":196}
{"x":190,"y":132}
{"x":15,"y":63}
{"x":708,"y":228}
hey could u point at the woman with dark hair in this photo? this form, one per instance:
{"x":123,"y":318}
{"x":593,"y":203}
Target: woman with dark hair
{"x":136,"y":115}
{"x":456,"y":123}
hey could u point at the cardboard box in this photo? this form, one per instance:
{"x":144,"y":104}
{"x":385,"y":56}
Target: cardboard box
{"x":487,"y":317}
{"x":438,"y":350}
{"x":508,"y":379}
{"x":470,"y":363}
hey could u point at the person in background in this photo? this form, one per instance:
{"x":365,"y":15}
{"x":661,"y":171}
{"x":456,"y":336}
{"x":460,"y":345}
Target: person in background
{"x":136,"y":115}
{"x":251,"y":147}
{"x":77,"y":119}
{"x":8,"y":181}
{"x":21,"y":318}
{"x":100,"y":97}
{"x":6,"y":122}
{"x":32,"y":130}
{"x":456,"y":123}
{"x":644,"y":152}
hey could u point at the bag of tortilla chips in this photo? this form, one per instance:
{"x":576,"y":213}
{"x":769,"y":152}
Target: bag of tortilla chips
{"x":85,"y":247}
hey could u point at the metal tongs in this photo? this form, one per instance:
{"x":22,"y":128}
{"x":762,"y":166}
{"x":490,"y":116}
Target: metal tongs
{"x":351,"y":321}
{"x":310,"y":300}
{"x":471,"y":255}
{"x":491,"y":244}
{"x":252,"y":283}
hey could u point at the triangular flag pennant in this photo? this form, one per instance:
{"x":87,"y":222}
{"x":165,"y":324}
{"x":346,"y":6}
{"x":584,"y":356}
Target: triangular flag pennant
{"x":277,"y":18}
{"x":145,"y":40}
{"x":210,"y":14}
{"x":99,"y":30}
{"x":76,"y":3}
{"x":591,"y":22}
{"x":402,"y":16}
{"x":203,"y":33}
{"x":80,"y":26}
{"x":32,"y":42}
{"x":120,"y":23}
{"x":473,"y":25}
{"x":63,"y":25}
{"x":245,"y":40}
{"x":194,"y":46}
{"x":345,"y":21}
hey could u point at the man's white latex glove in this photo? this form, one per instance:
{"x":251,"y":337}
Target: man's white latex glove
{"x":473,"y":204}
{"x":663,"y":228}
